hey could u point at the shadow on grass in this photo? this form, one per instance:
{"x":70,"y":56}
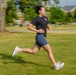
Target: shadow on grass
{"x":5,"y":60}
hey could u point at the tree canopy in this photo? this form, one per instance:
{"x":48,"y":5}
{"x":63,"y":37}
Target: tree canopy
{"x":11,"y":12}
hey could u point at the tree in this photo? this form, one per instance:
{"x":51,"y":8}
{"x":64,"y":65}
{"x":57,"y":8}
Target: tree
{"x":27,"y":8}
{"x":11,"y":12}
{"x":56,"y":15}
{"x":56,"y":1}
{"x":68,"y":17}
{"x":74,"y":16}
{"x":26,"y":3}
{"x":29,"y":13}
{"x":3,"y":6}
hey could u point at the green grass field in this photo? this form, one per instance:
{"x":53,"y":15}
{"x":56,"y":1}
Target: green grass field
{"x":64,"y":49}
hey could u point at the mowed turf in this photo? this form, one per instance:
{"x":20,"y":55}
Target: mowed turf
{"x":64,"y":49}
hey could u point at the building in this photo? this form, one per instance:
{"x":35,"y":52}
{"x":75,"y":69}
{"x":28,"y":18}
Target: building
{"x":70,"y":8}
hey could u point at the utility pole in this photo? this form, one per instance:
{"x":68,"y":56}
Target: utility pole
{"x":3,"y":5}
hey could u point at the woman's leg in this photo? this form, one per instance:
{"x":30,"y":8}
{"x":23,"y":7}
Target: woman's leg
{"x":51,"y":57}
{"x":35,"y":49}
{"x":50,"y":54}
{"x":17,"y":49}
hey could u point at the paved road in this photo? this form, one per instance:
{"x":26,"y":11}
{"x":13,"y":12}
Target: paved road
{"x":63,"y":31}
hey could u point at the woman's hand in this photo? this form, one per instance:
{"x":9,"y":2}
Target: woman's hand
{"x":41,"y":31}
{"x":49,"y":27}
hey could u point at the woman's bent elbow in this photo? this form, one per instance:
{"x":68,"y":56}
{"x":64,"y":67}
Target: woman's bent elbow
{"x":29,"y":28}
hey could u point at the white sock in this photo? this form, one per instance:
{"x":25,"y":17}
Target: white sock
{"x":55,"y":64}
{"x":19,"y":49}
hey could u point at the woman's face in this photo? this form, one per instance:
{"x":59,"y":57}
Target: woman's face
{"x":42,"y":11}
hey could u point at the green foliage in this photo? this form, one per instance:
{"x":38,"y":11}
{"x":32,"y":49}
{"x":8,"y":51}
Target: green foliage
{"x":11,"y":12}
{"x":28,"y":2}
{"x":29,"y":13}
{"x":56,"y":15}
{"x":68,"y":17}
{"x":74,"y":16}
{"x":27,"y":8}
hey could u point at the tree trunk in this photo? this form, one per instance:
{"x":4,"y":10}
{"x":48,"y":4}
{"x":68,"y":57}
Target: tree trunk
{"x":2,"y":15}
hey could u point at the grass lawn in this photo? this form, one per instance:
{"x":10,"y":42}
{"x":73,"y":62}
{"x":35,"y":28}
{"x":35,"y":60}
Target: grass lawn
{"x":61,"y":27}
{"x":63,"y":45}
{"x":65,"y":27}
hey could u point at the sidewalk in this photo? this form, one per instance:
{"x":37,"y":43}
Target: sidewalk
{"x":56,"y":31}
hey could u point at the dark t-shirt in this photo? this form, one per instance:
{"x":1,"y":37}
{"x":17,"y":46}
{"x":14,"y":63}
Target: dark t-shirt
{"x":40,"y":22}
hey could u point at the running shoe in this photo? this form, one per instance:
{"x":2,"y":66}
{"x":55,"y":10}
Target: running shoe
{"x":16,"y":50}
{"x":59,"y":65}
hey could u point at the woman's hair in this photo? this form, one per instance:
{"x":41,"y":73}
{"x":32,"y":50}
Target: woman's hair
{"x":37,"y":8}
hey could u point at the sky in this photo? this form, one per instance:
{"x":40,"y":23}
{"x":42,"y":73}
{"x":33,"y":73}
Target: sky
{"x":67,"y":2}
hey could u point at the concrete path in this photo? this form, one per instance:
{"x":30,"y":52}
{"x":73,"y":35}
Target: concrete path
{"x":56,"y":31}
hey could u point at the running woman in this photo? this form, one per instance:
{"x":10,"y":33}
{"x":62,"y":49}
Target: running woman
{"x":41,"y":23}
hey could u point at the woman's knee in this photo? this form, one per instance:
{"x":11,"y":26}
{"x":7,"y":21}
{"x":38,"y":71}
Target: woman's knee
{"x":35,"y":49}
{"x":49,"y":51}
{"x":34,"y":52}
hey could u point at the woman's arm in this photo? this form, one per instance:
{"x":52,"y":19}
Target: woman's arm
{"x":31,"y":27}
{"x":49,"y":27}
